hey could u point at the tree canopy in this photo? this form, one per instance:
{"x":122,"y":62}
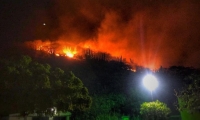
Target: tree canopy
{"x":28,"y":86}
{"x":103,"y":77}
{"x":155,"y":110}
{"x":189,"y":96}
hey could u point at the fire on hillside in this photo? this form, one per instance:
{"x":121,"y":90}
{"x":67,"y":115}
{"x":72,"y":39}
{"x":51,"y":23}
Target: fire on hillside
{"x":59,"y":48}
{"x":79,"y":51}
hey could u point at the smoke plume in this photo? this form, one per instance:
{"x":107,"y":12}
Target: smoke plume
{"x":152,"y":33}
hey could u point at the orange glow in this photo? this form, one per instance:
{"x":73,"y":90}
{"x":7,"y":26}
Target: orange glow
{"x":150,"y":37}
{"x":116,"y":50}
{"x":69,"y":52}
{"x":57,"y":54}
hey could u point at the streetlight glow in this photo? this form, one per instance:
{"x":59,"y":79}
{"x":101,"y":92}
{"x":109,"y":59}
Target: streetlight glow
{"x":150,"y":82}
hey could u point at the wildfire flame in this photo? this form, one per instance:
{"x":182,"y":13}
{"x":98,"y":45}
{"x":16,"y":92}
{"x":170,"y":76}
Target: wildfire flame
{"x":59,"y":49}
{"x":69,"y":52}
{"x":62,"y":48}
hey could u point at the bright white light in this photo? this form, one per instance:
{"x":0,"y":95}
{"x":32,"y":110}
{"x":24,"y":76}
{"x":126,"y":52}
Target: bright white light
{"x":150,"y":82}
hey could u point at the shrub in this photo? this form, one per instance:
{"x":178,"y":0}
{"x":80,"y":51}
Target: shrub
{"x":155,"y":110}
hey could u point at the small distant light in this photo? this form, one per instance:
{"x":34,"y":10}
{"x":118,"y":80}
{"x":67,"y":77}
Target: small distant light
{"x":44,"y":23}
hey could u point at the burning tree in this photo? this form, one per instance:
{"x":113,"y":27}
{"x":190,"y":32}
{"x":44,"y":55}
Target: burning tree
{"x":59,"y":49}
{"x":70,"y":50}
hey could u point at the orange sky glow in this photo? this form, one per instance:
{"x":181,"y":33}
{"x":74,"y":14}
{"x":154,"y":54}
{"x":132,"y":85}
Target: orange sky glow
{"x":160,"y":33}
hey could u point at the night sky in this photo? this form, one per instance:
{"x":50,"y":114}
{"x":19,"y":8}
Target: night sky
{"x":151,"y":33}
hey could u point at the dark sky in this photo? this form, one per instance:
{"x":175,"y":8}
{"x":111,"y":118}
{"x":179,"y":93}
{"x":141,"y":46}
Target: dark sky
{"x":152,"y":33}
{"x":18,"y":15}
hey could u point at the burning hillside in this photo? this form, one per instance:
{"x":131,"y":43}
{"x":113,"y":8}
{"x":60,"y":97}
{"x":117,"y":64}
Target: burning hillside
{"x":76,"y":51}
{"x":150,"y":33}
{"x":57,"y":48}
{"x":69,"y":50}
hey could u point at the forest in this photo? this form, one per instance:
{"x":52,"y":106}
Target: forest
{"x":91,"y":87}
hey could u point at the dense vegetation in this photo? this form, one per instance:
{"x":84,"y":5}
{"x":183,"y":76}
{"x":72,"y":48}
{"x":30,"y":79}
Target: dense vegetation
{"x":155,"y":110}
{"x":28,"y":86}
{"x":115,"y":89}
{"x":189,"y":96}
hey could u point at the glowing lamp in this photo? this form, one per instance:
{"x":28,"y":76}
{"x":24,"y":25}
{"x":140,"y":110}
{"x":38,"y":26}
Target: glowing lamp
{"x":150,"y":82}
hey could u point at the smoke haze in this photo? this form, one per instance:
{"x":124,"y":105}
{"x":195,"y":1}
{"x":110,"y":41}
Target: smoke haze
{"x":152,"y":33}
